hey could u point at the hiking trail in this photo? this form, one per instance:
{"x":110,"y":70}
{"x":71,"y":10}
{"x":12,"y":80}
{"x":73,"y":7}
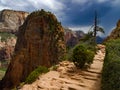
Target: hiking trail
{"x":68,"y":77}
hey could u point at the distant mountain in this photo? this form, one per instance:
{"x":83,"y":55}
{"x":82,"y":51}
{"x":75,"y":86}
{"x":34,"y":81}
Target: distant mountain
{"x":99,"y":39}
{"x":10,"y":20}
{"x":72,"y":37}
{"x":115,"y":34}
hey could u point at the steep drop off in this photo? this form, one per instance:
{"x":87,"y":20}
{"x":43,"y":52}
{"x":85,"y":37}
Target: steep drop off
{"x":40,"y":42}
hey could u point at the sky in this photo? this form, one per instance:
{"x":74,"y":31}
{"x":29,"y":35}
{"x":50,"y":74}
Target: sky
{"x":75,"y":14}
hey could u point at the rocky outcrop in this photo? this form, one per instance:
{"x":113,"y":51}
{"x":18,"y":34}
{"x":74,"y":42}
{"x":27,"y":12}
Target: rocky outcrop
{"x":40,"y":42}
{"x":115,"y":34}
{"x":10,"y":20}
{"x":72,"y":37}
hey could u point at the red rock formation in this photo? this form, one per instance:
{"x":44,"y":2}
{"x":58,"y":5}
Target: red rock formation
{"x":40,"y":42}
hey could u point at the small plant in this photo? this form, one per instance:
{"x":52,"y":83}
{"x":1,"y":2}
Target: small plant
{"x":54,"y":67}
{"x":82,"y":55}
{"x":4,"y":36}
{"x":34,"y":75}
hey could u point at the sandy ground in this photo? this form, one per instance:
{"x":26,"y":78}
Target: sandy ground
{"x":68,"y":77}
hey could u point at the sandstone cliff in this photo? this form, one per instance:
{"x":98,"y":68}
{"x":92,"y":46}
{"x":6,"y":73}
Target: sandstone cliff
{"x":40,"y":42}
{"x":115,"y":34}
{"x":10,"y":20}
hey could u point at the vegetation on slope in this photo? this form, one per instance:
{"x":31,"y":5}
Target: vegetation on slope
{"x":34,"y":74}
{"x":2,"y":72}
{"x":4,"y":36}
{"x":111,"y":69}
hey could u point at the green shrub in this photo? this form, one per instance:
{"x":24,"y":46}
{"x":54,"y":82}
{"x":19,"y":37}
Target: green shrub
{"x":2,"y":73}
{"x":34,"y":75}
{"x":111,"y":76}
{"x":111,"y":68}
{"x":82,"y":55}
{"x":3,"y":69}
{"x":54,"y":68}
{"x":5,"y":36}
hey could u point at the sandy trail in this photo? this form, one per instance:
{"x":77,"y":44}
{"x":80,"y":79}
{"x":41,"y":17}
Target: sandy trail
{"x":68,"y":77}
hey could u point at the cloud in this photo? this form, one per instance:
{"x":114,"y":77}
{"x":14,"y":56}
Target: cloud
{"x":81,"y":2}
{"x":52,"y":5}
{"x":88,"y":2}
{"x":115,"y":3}
{"x":48,"y":4}
{"x":102,"y":1}
{"x":85,"y":29}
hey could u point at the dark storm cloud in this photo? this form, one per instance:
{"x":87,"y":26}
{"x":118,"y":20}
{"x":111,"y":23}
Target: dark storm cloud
{"x":79,"y":15}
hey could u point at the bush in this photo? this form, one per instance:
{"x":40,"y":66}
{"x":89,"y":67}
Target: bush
{"x":111,"y":76}
{"x":82,"y":55}
{"x":34,"y":75}
{"x":54,"y":68}
{"x":111,"y":68}
{"x":5,"y":36}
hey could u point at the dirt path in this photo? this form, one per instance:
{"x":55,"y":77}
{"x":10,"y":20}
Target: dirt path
{"x":67,"y":77}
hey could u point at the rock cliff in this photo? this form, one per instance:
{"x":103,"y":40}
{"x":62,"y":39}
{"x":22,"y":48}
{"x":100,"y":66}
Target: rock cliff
{"x":40,"y":42}
{"x":115,"y":34}
{"x":10,"y":20}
